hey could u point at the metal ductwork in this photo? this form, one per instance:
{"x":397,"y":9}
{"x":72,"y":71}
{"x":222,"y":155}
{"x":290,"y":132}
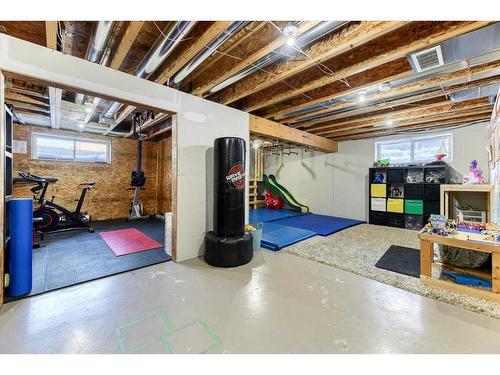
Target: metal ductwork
{"x":162,"y":48}
{"x":210,"y":48}
{"x":304,"y":39}
{"x":489,"y":91}
{"x":97,"y":46}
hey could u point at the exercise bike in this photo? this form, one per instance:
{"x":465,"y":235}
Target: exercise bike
{"x":56,"y":218}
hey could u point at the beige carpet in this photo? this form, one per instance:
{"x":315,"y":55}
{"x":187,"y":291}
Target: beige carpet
{"x":357,"y":249}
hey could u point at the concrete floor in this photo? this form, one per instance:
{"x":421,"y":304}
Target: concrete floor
{"x":279,"y":303}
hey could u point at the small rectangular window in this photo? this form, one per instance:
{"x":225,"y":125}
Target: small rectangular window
{"x":415,"y":149}
{"x":50,"y":147}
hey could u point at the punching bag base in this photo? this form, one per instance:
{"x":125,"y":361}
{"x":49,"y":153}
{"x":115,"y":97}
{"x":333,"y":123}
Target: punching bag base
{"x":228,"y":251}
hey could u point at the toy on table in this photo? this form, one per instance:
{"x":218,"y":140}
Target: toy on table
{"x":273,"y":202}
{"x":470,"y":227}
{"x":474,"y":175}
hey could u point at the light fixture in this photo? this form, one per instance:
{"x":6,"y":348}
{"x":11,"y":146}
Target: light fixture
{"x":81,"y":126}
{"x":389,"y":122}
{"x":256,"y":144}
{"x":290,"y":31}
{"x":362,"y":95}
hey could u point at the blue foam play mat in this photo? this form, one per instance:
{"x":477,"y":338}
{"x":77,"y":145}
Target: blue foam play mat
{"x":275,"y":236}
{"x":320,"y":224}
{"x":258,"y":215}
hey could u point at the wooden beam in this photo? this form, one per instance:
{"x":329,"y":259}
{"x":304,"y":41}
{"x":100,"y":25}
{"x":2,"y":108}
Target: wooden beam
{"x":215,"y":29}
{"x":414,"y":127}
{"x":51,"y":34}
{"x":24,"y":98}
{"x":457,"y":78}
{"x":426,"y":110}
{"x":241,"y":38}
{"x":249,"y":60}
{"x":133,"y":29}
{"x":274,"y":130}
{"x":370,"y":63}
{"x":391,"y":105}
{"x":281,"y":114}
{"x":484,"y":111}
{"x":55,"y":97}
{"x":325,"y":49}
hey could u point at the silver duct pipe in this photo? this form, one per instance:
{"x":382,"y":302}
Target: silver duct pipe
{"x":160,"y":50}
{"x":97,"y":45}
{"x":470,"y":62}
{"x":211,"y":48}
{"x":310,"y":36}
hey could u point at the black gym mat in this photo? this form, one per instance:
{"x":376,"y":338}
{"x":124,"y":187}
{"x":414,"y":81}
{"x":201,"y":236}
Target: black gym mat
{"x":76,"y":257}
{"x":401,"y":259}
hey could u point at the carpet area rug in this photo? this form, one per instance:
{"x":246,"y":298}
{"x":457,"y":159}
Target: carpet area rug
{"x":358,"y":249}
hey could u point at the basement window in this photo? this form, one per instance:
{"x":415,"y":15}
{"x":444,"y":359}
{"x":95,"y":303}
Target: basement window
{"x":59,"y":148}
{"x":415,"y":149}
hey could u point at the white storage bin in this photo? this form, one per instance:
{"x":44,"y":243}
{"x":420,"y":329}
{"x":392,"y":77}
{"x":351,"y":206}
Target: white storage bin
{"x":378,"y":204}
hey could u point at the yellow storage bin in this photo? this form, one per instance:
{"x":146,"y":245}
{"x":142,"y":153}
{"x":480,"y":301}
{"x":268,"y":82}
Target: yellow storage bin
{"x":378,"y":190}
{"x":395,"y":205}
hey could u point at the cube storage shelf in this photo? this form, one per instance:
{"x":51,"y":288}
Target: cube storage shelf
{"x":408,"y":195}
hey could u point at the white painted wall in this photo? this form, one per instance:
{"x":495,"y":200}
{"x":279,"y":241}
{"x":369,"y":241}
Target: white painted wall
{"x":199,"y":122}
{"x":351,"y":163}
{"x":308,"y":176}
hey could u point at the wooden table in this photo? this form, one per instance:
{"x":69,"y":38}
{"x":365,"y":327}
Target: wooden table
{"x":460,"y":240}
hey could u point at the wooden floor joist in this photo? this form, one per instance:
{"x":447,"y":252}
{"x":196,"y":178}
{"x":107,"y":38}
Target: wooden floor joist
{"x":334,"y":45}
{"x":249,"y":60}
{"x":481,"y":112}
{"x":441,"y":82}
{"x":200,"y":44}
{"x":436,"y":108}
{"x":273,"y":130}
{"x":51,"y":34}
{"x":131,"y":33}
{"x":371,"y":62}
{"x":393,"y":105}
{"x":425,"y":126}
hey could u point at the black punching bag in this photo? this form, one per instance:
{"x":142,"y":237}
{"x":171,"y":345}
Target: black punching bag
{"x":228,"y":245}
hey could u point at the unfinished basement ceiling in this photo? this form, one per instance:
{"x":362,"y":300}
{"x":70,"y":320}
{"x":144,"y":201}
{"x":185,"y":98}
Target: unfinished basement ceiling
{"x":339,"y":79}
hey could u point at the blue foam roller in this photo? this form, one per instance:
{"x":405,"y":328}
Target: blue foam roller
{"x":20,"y":246}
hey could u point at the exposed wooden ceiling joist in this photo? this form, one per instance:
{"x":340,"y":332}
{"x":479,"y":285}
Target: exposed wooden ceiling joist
{"x":51,"y":34}
{"x":129,"y":37}
{"x":443,"y":33}
{"x":425,"y":126}
{"x":428,"y":110}
{"x":215,"y":29}
{"x":249,"y":60}
{"x":442,"y":81}
{"x":484,"y":111}
{"x":24,"y":98}
{"x":325,"y":49}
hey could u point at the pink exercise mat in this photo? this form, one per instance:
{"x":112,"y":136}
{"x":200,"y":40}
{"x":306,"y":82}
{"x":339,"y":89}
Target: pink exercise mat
{"x":128,"y":241}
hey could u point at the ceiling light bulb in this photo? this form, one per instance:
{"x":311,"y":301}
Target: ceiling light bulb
{"x":256,"y":144}
{"x":389,"y":122}
{"x":361,"y":98}
{"x":290,"y":41}
{"x":81,"y":126}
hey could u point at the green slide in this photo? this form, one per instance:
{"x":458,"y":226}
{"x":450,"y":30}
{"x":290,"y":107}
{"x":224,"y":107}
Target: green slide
{"x":271,"y":183}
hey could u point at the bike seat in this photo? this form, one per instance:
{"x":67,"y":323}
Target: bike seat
{"x":89,"y":184}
